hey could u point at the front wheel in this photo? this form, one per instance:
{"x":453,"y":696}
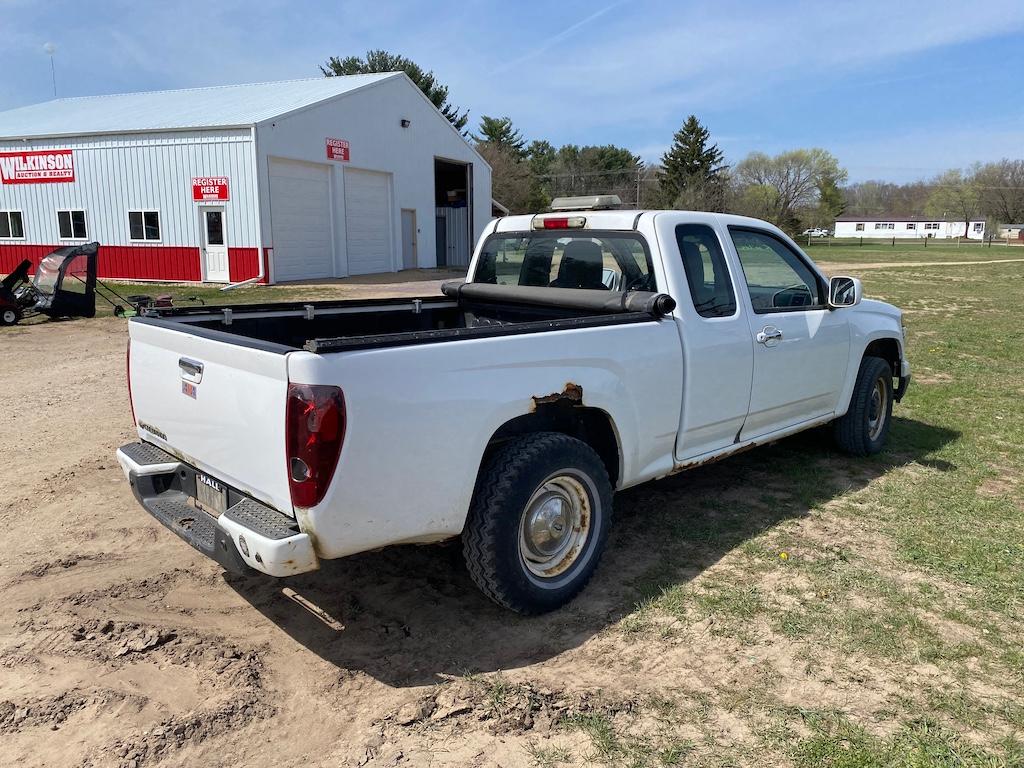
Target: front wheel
{"x":538,"y":522}
{"x":10,"y":317}
{"x":863,"y":430}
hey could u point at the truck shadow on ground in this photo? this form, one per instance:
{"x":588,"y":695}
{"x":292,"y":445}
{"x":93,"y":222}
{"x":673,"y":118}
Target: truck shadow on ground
{"x":413,"y":615}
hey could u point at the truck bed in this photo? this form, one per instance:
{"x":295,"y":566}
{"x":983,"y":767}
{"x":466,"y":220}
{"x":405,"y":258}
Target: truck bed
{"x":467,"y":311}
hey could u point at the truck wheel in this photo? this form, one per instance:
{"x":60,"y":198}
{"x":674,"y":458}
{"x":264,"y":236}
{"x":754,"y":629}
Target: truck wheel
{"x":865,"y":427}
{"x":538,"y":522}
{"x":10,"y":317}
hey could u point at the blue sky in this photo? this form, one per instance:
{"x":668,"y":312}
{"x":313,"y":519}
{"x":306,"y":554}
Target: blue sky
{"x":897,"y":90}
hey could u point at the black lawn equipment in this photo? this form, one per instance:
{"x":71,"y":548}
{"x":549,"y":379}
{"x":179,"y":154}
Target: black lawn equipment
{"x":65,"y":285}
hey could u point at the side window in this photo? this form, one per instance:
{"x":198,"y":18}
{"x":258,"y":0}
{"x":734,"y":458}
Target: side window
{"x":11,"y":226}
{"x":71,"y":225}
{"x":706,"y":271}
{"x":777,"y":277}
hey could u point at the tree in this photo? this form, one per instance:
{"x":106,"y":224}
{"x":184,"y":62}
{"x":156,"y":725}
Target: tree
{"x":383,"y":61}
{"x":831,"y":202}
{"x":512,"y":183}
{"x":499,"y":132}
{"x":782,"y":188}
{"x":1001,"y":186}
{"x":692,"y":173}
{"x":956,"y":193}
{"x":592,"y":170}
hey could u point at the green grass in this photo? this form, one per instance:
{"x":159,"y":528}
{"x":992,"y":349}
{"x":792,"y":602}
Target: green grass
{"x":904,"y":572}
{"x":883,"y":251}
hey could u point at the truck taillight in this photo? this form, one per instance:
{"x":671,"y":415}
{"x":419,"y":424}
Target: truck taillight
{"x":314,"y":432}
{"x":128,"y":377}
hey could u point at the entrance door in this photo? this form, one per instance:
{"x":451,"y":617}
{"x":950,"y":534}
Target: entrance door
{"x":801,"y":348}
{"x":215,"y":246}
{"x":409,"y":260}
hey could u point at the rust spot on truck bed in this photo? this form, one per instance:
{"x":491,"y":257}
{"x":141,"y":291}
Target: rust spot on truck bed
{"x":571,"y":394}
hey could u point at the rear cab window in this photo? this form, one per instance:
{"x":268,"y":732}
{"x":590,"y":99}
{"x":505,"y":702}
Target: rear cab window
{"x":590,"y":260}
{"x":706,"y":272}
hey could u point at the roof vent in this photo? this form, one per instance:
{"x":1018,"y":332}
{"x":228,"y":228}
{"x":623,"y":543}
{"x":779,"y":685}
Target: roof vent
{"x":586,"y":203}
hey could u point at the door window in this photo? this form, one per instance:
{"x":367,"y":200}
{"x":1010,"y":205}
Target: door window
{"x":215,"y":228}
{"x":777,"y":278}
{"x":706,"y":272}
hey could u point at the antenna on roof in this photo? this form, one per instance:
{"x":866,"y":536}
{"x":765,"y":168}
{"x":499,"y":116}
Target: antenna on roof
{"x":50,"y":48}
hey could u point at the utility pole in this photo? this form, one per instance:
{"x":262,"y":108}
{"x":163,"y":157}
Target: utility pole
{"x":50,"y":48}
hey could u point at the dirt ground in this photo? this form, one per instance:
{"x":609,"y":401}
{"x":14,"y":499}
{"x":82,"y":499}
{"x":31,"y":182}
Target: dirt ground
{"x":121,"y":646}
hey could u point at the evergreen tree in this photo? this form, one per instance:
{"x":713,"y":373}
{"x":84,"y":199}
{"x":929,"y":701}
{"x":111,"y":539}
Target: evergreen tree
{"x":500,"y":133}
{"x":693,"y":174}
{"x":382,"y":61}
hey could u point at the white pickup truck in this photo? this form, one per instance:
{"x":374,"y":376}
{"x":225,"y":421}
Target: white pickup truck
{"x":588,"y":351}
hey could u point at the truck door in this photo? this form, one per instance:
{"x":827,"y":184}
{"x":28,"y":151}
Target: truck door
{"x":801,"y":348}
{"x":716,"y":345}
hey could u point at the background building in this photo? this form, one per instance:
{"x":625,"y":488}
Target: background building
{"x":907,"y":226}
{"x":304,"y":179}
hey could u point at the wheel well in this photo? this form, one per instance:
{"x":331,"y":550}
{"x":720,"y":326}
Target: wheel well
{"x":590,"y":425}
{"x":887,"y":349}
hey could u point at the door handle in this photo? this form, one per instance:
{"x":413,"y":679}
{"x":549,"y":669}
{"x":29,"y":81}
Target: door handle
{"x":769,"y":336}
{"x":190,"y":369}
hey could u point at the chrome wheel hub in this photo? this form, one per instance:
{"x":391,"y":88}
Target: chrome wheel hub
{"x":555,"y":526}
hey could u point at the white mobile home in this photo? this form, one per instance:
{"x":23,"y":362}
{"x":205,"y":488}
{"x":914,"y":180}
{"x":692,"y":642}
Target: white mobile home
{"x":908,"y":227}
{"x":295,"y":180}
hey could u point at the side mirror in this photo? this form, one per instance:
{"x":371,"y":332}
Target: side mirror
{"x":844,"y":292}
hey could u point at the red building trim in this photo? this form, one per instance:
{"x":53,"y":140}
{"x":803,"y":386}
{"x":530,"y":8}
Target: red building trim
{"x":243,"y":264}
{"x":172,"y":263}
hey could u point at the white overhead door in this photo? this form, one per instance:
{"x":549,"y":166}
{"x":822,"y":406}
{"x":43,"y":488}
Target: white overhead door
{"x":368,"y":221}
{"x":300,"y":214}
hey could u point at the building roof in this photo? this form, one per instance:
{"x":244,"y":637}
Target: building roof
{"x":213,"y":107}
{"x":908,"y":218}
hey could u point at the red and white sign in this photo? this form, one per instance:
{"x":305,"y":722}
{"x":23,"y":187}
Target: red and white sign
{"x":37,"y":167}
{"x":337,"y":149}
{"x":210,"y":188}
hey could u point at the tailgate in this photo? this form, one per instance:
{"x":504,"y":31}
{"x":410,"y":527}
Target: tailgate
{"x":216,"y":405}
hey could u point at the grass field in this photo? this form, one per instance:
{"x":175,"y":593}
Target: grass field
{"x":872,"y":610}
{"x":794,"y":606}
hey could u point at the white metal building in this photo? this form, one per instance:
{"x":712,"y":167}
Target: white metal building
{"x":294,"y":180}
{"x":908,"y":226}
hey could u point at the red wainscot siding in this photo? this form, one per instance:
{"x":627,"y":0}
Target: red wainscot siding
{"x":127,"y":262}
{"x":243,"y":264}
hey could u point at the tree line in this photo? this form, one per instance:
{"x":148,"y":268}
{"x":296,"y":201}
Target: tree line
{"x":795,"y":189}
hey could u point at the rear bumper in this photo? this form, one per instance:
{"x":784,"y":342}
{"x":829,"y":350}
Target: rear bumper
{"x":248,"y":536}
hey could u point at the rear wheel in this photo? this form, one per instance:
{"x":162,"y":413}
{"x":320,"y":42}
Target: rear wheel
{"x":865,"y":427}
{"x":538,"y":522}
{"x":10,"y":316}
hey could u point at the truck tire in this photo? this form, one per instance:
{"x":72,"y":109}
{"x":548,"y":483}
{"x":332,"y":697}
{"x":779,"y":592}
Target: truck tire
{"x":865,"y":427}
{"x":10,"y":316}
{"x":538,"y":522}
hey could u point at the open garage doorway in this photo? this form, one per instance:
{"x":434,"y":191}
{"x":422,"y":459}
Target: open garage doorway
{"x":453,"y":198}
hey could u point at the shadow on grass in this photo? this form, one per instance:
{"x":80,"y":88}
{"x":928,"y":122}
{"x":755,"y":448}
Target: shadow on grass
{"x":412,"y":614}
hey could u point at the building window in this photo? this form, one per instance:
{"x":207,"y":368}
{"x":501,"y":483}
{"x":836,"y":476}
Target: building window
{"x":144,"y":225}
{"x":72,"y":225}
{"x":860,"y":227}
{"x":979,"y":226}
{"x":11,"y":226}
{"x":911,"y":225}
{"x":932,"y":225}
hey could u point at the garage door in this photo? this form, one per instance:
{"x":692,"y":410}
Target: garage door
{"x":368,"y":221}
{"x":300,"y":215}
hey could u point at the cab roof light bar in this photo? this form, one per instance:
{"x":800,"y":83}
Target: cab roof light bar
{"x":586,"y":203}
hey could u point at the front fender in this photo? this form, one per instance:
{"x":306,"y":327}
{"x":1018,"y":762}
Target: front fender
{"x":871,"y":321}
